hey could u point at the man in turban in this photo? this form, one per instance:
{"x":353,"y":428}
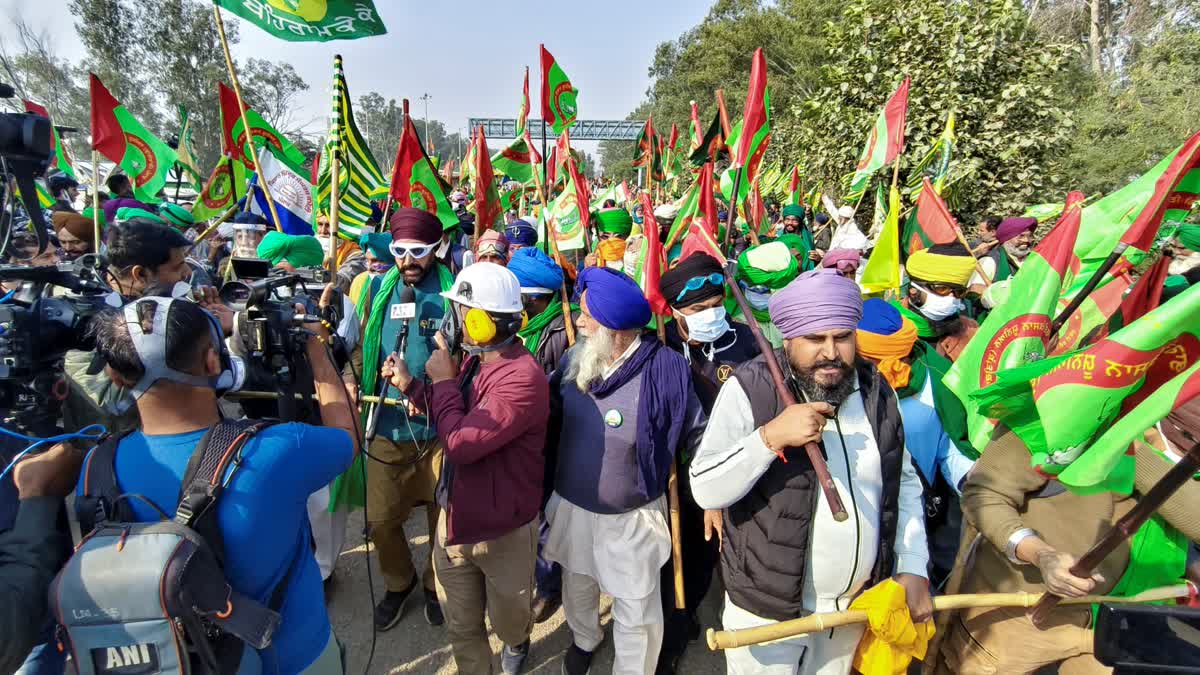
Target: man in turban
{"x":935,"y":422}
{"x":541,"y":282}
{"x":1016,"y":241}
{"x":844,"y":260}
{"x":786,"y":555}
{"x":938,"y":279}
{"x":291,"y":250}
{"x":714,"y":346}
{"x":762,"y":270}
{"x":492,"y":247}
{"x":623,"y":405}
{"x":76,"y":233}
{"x":376,"y":246}
{"x":520,"y":234}
{"x":613,"y":226}
{"x":794,"y":223}
{"x":405,"y":454}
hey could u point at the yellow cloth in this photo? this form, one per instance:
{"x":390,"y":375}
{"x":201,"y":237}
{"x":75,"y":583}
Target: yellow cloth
{"x":946,"y":269}
{"x":888,"y":350}
{"x":610,"y":250}
{"x":892,"y":641}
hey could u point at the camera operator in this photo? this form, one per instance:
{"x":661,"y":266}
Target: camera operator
{"x":32,"y":550}
{"x":163,"y":347}
{"x":491,"y":420}
{"x":406,"y":442}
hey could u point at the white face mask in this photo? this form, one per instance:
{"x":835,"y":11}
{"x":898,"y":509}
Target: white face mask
{"x":326,"y":244}
{"x":707,"y":325}
{"x":442,"y":248}
{"x":939,"y":307}
{"x":758,"y":300}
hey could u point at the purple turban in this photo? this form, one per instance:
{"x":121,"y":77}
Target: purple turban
{"x":410,"y":224}
{"x":815,"y":302}
{"x":614,"y":300}
{"x":1011,"y":228}
{"x":842,"y":259}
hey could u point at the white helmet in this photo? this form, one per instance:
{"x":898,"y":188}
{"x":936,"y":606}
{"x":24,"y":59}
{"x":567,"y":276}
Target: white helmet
{"x":487,"y":286}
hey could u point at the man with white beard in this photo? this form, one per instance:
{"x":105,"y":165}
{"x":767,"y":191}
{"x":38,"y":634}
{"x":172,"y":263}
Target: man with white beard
{"x":622,"y":404}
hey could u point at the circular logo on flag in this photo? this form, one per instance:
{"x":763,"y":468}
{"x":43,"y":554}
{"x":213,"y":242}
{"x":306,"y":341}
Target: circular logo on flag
{"x":309,"y":10}
{"x":217,"y":193}
{"x":151,"y":162}
{"x":292,"y":192}
{"x":422,"y":198}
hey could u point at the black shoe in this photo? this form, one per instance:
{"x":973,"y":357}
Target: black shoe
{"x":544,"y":608}
{"x":391,"y":608}
{"x":433,"y":609}
{"x":576,"y":661}
{"x":512,"y":659}
{"x":668,"y":663}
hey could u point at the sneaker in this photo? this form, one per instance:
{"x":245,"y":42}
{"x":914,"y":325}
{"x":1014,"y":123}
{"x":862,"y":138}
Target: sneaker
{"x":391,"y":608}
{"x":433,"y":609}
{"x":576,"y":661}
{"x":544,"y":608}
{"x":512,"y":659}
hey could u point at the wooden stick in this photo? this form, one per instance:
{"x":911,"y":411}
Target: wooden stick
{"x":1125,"y":527}
{"x":1097,"y":276}
{"x":812,"y":450}
{"x":213,"y":228}
{"x":95,"y":201}
{"x":237,"y":91}
{"x":813,"y":623}
{"x":335,"y":209}
{"x":673,"y":506}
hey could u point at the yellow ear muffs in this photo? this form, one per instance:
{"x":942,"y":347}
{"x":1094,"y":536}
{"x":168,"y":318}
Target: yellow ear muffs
{"x":524,"y":320}
{"x":480,"y":326}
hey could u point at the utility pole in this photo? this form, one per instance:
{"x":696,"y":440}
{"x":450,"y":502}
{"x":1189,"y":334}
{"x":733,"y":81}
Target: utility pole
{"x":425,"y":98}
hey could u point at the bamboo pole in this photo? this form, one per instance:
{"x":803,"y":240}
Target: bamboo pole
{"x":814,"y":623}
{"x":237,"y":91}
{"x":213,"y":228}
{"x":334,"y":210}
{"x":673,"y":505}
{"x":95,"y":201}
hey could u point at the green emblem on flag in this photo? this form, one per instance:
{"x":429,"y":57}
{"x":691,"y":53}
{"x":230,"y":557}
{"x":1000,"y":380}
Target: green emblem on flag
{"x":310,"y":20}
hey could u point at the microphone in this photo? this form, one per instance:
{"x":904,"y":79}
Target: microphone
{"x":402,"y":311}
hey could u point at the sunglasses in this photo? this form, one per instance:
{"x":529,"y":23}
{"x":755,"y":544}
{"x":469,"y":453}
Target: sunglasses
{"x":415,"y":252}
{"x":696,"y":283}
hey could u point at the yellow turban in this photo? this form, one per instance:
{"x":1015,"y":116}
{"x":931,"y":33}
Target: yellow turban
{"x":941,"y":268}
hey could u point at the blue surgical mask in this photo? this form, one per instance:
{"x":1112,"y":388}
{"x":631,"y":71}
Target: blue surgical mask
{"x":758,"y":299}
{"x":707,"y":325}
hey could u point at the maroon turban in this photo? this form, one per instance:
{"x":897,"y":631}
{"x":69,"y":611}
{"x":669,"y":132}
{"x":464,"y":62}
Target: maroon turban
{"x":1011,"y":228}
{"x":410,"y":224}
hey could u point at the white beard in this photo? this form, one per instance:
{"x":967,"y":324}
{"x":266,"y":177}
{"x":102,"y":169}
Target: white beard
{"x":1183,"y":264}
{"x":593,"y":355}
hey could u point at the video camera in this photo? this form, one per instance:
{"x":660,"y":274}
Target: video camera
{"x":36,"y":332}
{"x":25,"y":147}
{"x":268,"y":330}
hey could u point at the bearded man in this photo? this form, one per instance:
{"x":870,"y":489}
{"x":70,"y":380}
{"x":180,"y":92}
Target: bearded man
{"x":623,"y":404}
{"x":938,"y":280}
{"x":786,"y":556}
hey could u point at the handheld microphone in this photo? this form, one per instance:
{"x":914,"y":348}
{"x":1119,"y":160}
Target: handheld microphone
{"x":403,"y":311}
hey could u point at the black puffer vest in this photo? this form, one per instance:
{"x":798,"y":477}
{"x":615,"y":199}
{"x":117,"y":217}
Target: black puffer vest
{"x":768,"y":532}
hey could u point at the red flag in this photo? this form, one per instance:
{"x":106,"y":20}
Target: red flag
{"x":1175,"y":190}
{"x":930,"y":222}
{"x":794,"y":185}
{"x":708,"y":202}
{"x":551,"y":168}
{"x":652,"y":267}
{"x":896,"y":110}
{"x":108,"y":138}
{"x":674,"y":136}
{"x":230,"y":115}
{"x":756,"y":209}
{"x":754,"y":113}
{"x":487,"y":199}
{"x":697,"y":130}
{"x":1058,"y":246}
{"x":56,"y":144}
{"x":1145,"y":295}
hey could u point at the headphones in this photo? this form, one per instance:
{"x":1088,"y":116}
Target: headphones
{"x":482,"y":328}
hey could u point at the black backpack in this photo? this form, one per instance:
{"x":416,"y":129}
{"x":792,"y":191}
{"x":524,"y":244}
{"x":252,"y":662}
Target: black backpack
{"x":143,"y":597}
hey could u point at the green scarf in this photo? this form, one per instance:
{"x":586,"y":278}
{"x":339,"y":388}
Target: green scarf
{"x":1003,"y":267}
{"x":1157,"y":557}
{"x":950,"y":410}
{"x":373,"y":335}
{"x":531,"y":334}
{"x":924,"y":330}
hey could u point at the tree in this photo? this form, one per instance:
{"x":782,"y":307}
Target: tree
{"x":978,"y":59}
{"x":271,"y":89}
{"x":117,"y":53}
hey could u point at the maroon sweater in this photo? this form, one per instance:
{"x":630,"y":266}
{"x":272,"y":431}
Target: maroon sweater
{"x":493,"y":444}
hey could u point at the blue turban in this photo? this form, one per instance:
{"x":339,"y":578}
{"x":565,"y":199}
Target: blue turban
{"x":521,"y":233}
{"x":880,"y":317}
{"x":614,"y":300}
{"x":377,"y":243}
{"x":535,"y":271}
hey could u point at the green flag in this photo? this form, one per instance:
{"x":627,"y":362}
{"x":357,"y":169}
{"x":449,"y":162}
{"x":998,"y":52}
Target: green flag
{"x":310,"y":20}
{"x":566,"y":218}
{"x":935,"y":165}
{"x":359,"y":179}
{"x":220,"y":191}
{"x":1017,"y":332}
{"x":517,"y":160}
{"x":415,"y":183}
{"x":1078,"y":412}
{"x":559,"y":108}
{"x":883,"y":144}
{"x":187,"y":151}
{"x":124,"y":141}
{"x":234,"y":133}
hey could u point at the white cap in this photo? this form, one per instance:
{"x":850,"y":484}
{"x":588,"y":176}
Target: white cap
{"x":487,"y":286}
{"x":665,"y":211}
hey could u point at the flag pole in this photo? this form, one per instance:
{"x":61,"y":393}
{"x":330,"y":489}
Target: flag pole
{"x":673,"y":504}
{"x":732,"y":214}
{"x":1097,"y":277}
{"x":334,"y":208}
{"x":1125,"y":528}
{"x":237,"y":91}
{"x":95,"y":201}
{"x":229,"y":213}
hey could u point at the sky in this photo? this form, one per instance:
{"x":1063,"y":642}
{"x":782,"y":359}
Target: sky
{"x":468,"y":55}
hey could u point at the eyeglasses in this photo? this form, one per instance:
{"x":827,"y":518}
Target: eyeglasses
{"x":415,"y":252}
{"x":696,"y":283}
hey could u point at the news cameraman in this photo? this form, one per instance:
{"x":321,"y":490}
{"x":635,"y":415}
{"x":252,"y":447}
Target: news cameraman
{"x":491,"y":420}
{"x":403,"y":458}
{"x":262,"y":511}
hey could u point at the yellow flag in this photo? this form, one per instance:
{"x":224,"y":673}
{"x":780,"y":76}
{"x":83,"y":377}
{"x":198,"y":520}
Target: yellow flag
{"x":883,"y":268}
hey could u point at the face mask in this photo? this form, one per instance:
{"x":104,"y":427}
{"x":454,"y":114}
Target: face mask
{"x":326,"y":244}
{"x":442,"y":248}
{"x":939,"y":307}
{"x":758,"y":300}
{"x":707,"y":325}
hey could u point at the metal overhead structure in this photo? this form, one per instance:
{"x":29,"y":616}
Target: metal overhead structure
{"x":582,"y":130}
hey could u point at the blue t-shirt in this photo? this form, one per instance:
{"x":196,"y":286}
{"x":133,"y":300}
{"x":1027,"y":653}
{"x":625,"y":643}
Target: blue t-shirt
{"x":263,"y":519}
{"x":394,"y":423}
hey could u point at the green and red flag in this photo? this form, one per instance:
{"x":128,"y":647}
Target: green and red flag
{"x":695,"y":131}
{"x":1018,"y":331}
{"x":750,"y":137}
{"x":646,"y":144}
{"x":701,"y":229}
{"x":219,"y":193}
{"x":62,"y":159}
{"x":558,"y":95}
{"x":1175,"y":191}
{"x":523,"y":111}
{"x":1078,"y":412}
{"x":885,"y":142}
{"x":654,"y":262}
{"x":519,"y":160}
{"x":310,"y":20}
{"x":756,"y":208}
{"x":1143,"y":297}
{"x":795,"y":188}
{"x":487,"y":197}
{"x":930,"y":222}
{"x":1084,"y":325}
{"x":123,"y":140}
{"x":415,"y":182}
{"x":567,"y":217}
{"x":233,"y":138}
{"x":711,"y":144}
{"x":698,"y":204}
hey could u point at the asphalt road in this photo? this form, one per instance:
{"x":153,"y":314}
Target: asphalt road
{"x":413,"y":646}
